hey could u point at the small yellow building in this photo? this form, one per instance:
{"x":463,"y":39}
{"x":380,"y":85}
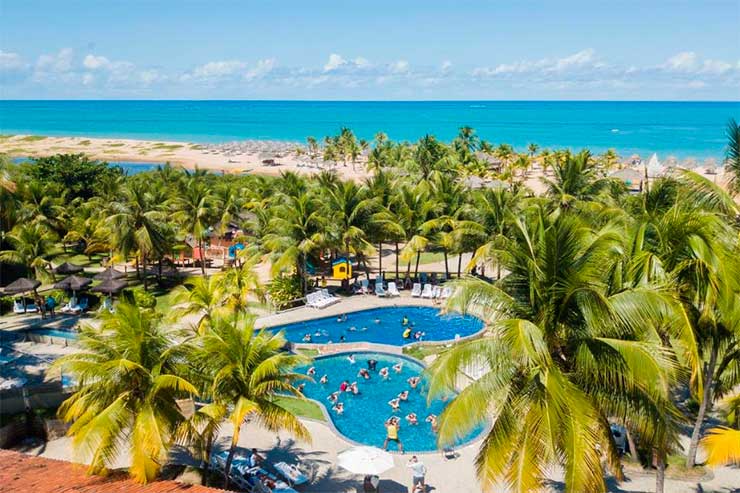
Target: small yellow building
{"x":341,"y":269}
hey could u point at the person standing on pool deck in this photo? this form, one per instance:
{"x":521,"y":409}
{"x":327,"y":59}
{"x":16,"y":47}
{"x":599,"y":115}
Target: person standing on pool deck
{"x":391,"y":433}
{"x":418,"y":471}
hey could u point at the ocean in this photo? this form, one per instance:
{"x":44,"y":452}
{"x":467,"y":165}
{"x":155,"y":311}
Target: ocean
{"x":681,"y":129}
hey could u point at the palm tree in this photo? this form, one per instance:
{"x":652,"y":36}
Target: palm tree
{"x":532,"y":148}
{"x":250,"y":372}
{"x":732,"y":162}
{"x":349,"y":209}
{"x":199,"y":296}
{"x":33,"y":245}
{"x":128,"y":386}
{"x":413,"y":209}
{"x":576,"y":178}
{"x":566,"y":353}
{"x":195,"y":210}
{"x":240,"y":283}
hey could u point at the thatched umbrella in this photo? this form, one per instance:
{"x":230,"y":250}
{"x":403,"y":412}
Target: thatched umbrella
{"x":110,"y":286}
{"x":109,"y":274}
{"x":73,"y":283}
{"x":22,"y":285}
{"x":67,"y":268}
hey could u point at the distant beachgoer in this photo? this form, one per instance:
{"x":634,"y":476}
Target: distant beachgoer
{"x":333,"y":397}
{"x":324,"y":379}
{"x":371,"y":364}
{"x":395,"y":403}
{"x":405,"y":321}
{"x":404,"y":396}
{"x":255,"y":459}
{"x":338,"y":407}
{"x":414,"y":381}
{"x":311,"y":371}
{"x":351,"y":359}
{"x":398,"y":367}
{"x":354,"y":388}
{"x":341,"y":338}
{"x":300,"y":387}
{"x":392,"y":427}
{"x":384,"y":372}
{"x":412,"y":419}
{"x":364,"y":374}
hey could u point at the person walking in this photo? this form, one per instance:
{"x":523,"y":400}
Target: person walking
{"x":418,"y":471}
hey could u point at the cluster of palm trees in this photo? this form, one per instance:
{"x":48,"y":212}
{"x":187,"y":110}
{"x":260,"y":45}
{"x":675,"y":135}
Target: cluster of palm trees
{"x":606,"y":306}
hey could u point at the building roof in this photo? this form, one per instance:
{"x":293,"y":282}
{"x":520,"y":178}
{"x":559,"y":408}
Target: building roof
{"x":21,"y":473}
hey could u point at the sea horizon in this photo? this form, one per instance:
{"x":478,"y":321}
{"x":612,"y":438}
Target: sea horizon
{"x":684,"y":129}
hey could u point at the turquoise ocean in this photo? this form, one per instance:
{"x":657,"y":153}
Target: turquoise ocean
{"x":681,"y":129}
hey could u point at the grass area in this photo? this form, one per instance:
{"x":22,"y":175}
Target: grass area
{"x":312,"y":353}
{"x":115,"y":144}
{"x":165,"y":299}
{"x":160,"y":146}
{"x":420,"y":352}
{"x":306,"y":409}
{"x":84,"y":142}
{"x":33,"y":138}
{"x":79,"y":259}
{"x":197,"y":147}
{"x":6,"y":136}
{"x":17,"y":150}
{"x":428,"y":258}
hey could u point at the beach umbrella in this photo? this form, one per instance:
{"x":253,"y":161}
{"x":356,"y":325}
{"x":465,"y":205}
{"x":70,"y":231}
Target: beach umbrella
{"x":370,"y":461}
{"x":73,"y":283}
{"x":110,"y":286}
{"x":67,"y":268}
{"x":108,"y":274}
{"x":21,"y":285}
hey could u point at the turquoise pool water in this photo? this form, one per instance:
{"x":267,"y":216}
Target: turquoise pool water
{"x":365,"y":414}
{"x":65,"y":334}
{"x":383,"y":326}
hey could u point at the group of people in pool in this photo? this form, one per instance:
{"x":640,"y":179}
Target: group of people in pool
{"x":408,"y":333}
{"x":408,"y":330}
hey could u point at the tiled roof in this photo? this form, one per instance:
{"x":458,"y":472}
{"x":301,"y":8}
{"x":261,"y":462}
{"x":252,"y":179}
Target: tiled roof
{"x":21,"y":473}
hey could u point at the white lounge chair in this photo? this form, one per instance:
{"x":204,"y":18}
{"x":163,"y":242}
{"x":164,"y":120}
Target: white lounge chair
{"x":416,"y":290}
{"x":436,"y":292}
{"x":19,"y":308}
{"x":379,"y":291}
{"x":291,"y":473}
{"x":427,"y":292}
{"x":446,"y":292}
{"x":392,"y":289}
{"x":364,"y":286}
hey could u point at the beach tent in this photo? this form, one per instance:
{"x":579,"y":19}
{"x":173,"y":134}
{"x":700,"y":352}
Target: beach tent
{"x":654,"y":168}
{"x":341,"y":269}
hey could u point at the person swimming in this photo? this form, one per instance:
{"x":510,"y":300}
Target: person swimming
{"x":405,"y":321}
{"x":404,"y":396}
{"x":398,"y":367}
{"x":419,"y":335}
{"x":364,"y":374}
{"x":412,"y":419}
{"x":432,"y":420}
{"x":395,"y":403}
{"x":354,"y":388}
{"x":353,"y":329}
{"x":407,"y":333}
{"x":307,"y":338}
{"x":377,"y":320}
{"x":333,"y":397}
{"x":300,"y":387}
{"x":341,"y":338}
{"x":351,"y":359}
{"x":344,"y":386}
{"x":384,"y":372}
{"x":338,"y":407}
{"x":413,"y":381}
{"x":311,"y":371}
{"x":324,"y":379}
{"x":371,"y":364}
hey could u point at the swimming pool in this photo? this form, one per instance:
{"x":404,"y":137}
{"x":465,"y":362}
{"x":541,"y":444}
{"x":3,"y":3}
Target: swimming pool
{"x":64,"y":334}
{"x":365,"y":414}
{"x":383,"y":326}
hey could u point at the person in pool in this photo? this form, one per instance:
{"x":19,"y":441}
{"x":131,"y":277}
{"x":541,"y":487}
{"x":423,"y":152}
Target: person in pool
{"x":398,"y":367}
{"x":311,"y":371}
{"x":395,"y":404}
{"x":344,"y":386}
{"x":405,"y":321}
{"x":324,"y":379}
{"x":307,"y":338}
{"x":333,"y":397}
{"x":338,"y":407}
{"x":341,"y":338}
{"x":301,"y":386}
{"x":384,"y":372}
{"x":392,"y":426}
{"x":377,"y":320}
{"x":413,"y":382}
{"x":351,"y":359}
{"x":412,"y":419}
{"x":418,"y":335}
{"x":354,"y":388}
{"x":371,"y":364}
{"x":364,"y":374}
{"x":404,"y":396}
{"x":432,"y":420}
{"x":407,"y":333}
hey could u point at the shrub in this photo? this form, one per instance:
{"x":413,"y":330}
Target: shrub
{"x":144,"y":299}
{"x":283,"y":290}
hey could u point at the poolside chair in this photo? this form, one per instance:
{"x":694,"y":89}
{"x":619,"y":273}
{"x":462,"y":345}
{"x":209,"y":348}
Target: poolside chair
{"x":291,"y":473}
{"x":364,"y":286}
{"x":449,"y":453}
{"x":19,"y":308}
{"x":446,"y":292}
{"x":379,"y":291}
{"x":436,"y":292}
{"x":392,"y":289}
{"x":416,"y":290}
{"x":427,"y":293}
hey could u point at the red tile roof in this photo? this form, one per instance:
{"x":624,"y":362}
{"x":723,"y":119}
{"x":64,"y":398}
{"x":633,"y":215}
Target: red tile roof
{"x":21,"y":473}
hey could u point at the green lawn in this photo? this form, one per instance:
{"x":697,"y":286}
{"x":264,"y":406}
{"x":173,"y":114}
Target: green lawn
{"x":306,"y":409}
{"x":420,"y":352}
{"x":79,"y":259}
{"x":428,"y":258}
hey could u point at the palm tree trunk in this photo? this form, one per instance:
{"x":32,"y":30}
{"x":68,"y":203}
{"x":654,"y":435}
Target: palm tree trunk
{"x":227,"y":467}
{"x":397,"y":254}
{"x":416,"y":269}
{"x":447,"y":267}
{"x":631,"y":443}
{"x":143,"y":260}
{"x":207,"y":460}
{"x":459,"y":265}
{"x":706,"y":403}
{"x":660,"y":472}
{"x":202,"y":260}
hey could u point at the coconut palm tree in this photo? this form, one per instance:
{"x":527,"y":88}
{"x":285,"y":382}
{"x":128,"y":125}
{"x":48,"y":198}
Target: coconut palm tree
{"x":349,"y":208}
{"x":240,"y":285}
{"x":250,"y":371}
{"x":33,"y":245}
{"x":576,"y":178}
{"x":566,"y":353}
{"x":732,"y":159}
{"x":195,"y":210}
{"x":128,"y":386}
{"x":199,"y":296}
{"x":413,"y":209}
{"x":532,"y":148}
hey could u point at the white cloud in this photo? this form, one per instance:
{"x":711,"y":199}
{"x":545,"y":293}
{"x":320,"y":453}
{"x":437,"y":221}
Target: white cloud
{"x":400,"y":67}
{"x":688,"y":62}
{"x":446,"y":66}
{"x":582,"y":60}
{"x":60,"y":62}
{"x":261,"y":69}
{"x":218,"y":69}
{"x":335,"y":61}
{"x":683,"y":62}
{"x":10,"y":62}
{"x":88,"y":79}
{"x":93,"y":62}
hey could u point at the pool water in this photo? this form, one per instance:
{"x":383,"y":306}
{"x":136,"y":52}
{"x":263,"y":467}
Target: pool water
{"x":65,"y":334}
{"x":383,"y":326}
{"x":365,"y":414}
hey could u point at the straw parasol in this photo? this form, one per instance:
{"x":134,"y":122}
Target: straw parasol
{"x":110,"y":286}
{"x":67,"y":268}
{"x":370,"y":461}
{"x":21,"y":285}
{"x":73,"y":283}
{"x":109,"y":274}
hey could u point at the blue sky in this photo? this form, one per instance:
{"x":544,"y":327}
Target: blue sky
{"x":635,"y":50}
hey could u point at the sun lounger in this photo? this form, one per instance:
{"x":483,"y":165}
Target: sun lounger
{"x":436,"y":292}
{"x":416,"y":290}
{"x":446,"y":292}
{"x":392,"y":289}
{"x":427,"y":293}
{"x":291,"y":473}
{"x":379,"y":291}
{"x":19,"y":308}
{"x":320,"y":300}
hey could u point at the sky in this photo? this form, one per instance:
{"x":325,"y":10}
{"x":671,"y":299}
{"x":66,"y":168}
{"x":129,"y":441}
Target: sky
{"x":371,"y":50}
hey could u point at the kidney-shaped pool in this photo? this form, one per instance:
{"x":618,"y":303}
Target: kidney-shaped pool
{"x":383,"y":325}
{"x":365,"y":413}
